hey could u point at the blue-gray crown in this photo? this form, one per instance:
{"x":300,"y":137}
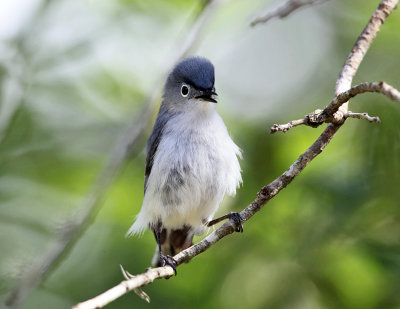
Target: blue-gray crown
{"x":195,"y":71}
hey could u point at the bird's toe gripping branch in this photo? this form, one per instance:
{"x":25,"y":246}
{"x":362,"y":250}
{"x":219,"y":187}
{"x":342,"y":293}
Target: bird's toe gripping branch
{"x":234,"y":216}
{"x":170,"y":261}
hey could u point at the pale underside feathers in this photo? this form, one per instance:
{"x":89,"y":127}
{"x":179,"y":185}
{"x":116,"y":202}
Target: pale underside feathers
{"x":191,"y":160}
{"x":194,"y":165}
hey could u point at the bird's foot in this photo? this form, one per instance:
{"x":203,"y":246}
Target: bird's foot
{"x":168,"y":260}
{"x":235,"y":217}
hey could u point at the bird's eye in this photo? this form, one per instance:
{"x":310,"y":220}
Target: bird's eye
{"x":185,"y":90}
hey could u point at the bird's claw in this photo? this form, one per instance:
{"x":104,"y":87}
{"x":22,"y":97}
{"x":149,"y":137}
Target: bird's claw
{"x":170,"y":261}
{"x":235,"y":216}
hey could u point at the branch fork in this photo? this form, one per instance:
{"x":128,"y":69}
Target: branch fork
{"x":333,"y":114}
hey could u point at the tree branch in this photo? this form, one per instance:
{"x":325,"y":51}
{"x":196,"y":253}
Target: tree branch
{"x":283,"y":11}
{"x":126,"y":145}
{"x":362,"y":116}
{"x":266,"y":193}
{"x":328,"y":114}
{"x":360,"y":48}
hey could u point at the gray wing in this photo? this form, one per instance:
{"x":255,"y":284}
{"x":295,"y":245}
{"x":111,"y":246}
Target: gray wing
{"x":154,"y":141}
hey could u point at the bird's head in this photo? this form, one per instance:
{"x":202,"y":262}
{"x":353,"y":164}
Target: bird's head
{"x":190,"y":82}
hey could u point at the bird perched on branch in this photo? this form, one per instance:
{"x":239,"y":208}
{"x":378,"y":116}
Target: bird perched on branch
{"x":191,"y":163}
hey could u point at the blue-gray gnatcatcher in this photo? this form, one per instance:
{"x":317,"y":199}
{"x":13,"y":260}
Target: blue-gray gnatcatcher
{"x":191,"y":162}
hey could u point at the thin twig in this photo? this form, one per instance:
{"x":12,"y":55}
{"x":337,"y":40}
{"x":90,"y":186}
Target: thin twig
{"x":139,"y":292}
{"x":283,"y":11}
{"x":287,"y":126}
{"x":360,"y":48}
{"x":125,"y":146}
{"x":379,"y":87}
{"x":266,"y":193}
{"x":362,"y":116}
{"x":328,"y":114}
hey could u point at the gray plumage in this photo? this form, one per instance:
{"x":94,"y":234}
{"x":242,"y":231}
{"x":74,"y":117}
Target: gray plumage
{"x":154,"y":140}
{"x":191,"y":160}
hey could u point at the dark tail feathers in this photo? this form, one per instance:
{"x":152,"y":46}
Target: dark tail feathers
{"x":173,"y":242}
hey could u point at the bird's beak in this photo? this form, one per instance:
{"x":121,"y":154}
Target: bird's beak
{"x":207,"y":95}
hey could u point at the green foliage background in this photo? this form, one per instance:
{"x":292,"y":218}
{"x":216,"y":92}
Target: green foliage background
{"x":74,"y":74}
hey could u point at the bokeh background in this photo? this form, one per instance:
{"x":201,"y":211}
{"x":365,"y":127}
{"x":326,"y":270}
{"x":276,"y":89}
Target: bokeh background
{"x":74,"y":75}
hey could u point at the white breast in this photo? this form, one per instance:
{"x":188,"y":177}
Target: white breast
{"x":195,"y":165}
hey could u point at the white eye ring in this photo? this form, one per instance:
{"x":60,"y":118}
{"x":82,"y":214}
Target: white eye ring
{"x":184,"y":90}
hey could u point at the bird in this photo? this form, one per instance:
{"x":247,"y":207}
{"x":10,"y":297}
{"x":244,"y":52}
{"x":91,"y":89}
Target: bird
{"x":191,"y":163}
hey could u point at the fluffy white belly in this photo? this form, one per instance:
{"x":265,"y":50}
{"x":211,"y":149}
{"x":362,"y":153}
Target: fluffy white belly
{"x":195,"y":165}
